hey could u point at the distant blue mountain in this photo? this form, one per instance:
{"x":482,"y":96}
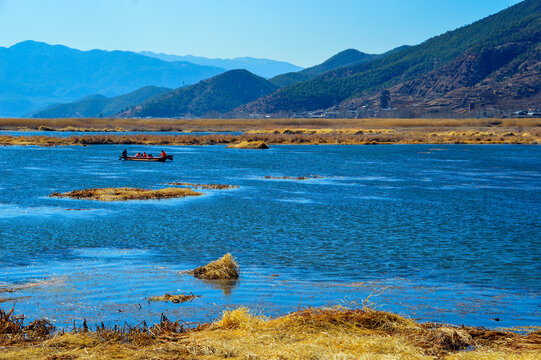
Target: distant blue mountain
{"x":261,"y":67}
{"x":34,"y":75}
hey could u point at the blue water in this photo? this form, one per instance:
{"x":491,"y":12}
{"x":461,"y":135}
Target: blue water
{"x":448,"y":234}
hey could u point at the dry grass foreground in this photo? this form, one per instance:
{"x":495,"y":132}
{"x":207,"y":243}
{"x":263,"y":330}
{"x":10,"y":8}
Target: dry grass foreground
{"x":225,"y":268}
{"x":122,"y":194}
{"x":322,"y":333}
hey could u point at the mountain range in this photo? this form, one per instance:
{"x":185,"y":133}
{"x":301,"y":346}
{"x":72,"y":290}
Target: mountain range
{"x":34,"y":75}
{"x":262,"y":67}
{"x":489,"y":68}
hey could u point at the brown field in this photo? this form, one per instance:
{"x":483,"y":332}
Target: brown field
{"x":320,"y":333}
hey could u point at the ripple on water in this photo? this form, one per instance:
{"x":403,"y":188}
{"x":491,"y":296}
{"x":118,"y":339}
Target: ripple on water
{"x":12,"y":211}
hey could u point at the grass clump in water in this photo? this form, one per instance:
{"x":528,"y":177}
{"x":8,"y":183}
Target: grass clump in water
{"x":122,"y":194}
{"x":176,"y":299}
{"x":205,"y":186}
{"x":254,"y":145}
{"x":225,"y":268}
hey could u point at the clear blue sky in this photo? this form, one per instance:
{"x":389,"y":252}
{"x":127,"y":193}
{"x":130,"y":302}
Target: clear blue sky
{"x":303,"y":32}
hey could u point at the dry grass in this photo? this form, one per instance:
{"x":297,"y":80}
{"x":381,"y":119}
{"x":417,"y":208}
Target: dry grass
{"x":176,"y":299}
{"x":13,"y":330}
{"x":252,"y":145}
{"x":225,"y":268}
{"x":205,"y":186}
{"x":122,"y":194}
{"x":322,"y":131}
{"x":322,"y":333}
{"x":249,"y":124}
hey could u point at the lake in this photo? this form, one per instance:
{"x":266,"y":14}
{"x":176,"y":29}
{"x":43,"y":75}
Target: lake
{"x":436,"y":233}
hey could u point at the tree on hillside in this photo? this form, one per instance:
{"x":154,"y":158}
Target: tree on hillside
{"x":384,"y":99}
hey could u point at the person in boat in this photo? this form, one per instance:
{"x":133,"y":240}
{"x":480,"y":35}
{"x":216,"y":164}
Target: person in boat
{"x":145,"y":154}
{"x":124,"y":153}
{"x":163,"y":154}
{"x":138,"y":155}
{"x":149,"y":155}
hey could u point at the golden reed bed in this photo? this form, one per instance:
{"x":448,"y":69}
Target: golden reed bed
{"x":111,"y":124}
{"x":320,"y":333}
{"x":289,"y":137}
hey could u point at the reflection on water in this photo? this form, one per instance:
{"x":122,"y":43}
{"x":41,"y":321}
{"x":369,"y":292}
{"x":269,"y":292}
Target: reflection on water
{"x":449,"y":235}
{"x":226,"y":286}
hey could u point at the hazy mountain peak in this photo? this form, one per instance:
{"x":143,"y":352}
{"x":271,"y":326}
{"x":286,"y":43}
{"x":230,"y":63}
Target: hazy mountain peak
{"x":261,"y":67}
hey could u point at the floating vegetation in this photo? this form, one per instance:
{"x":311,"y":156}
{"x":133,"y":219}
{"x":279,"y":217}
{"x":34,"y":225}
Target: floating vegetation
{"x":225,"y":268}
{"x":309,"y":177}
{"x":253,"y":145}
{"x":176,"y":299}
{"x":205,"y":186}
{"x":315,"y":333}
{"x":122,"y":194}
{"x":53,"y":281}
{"x":13,"y":299}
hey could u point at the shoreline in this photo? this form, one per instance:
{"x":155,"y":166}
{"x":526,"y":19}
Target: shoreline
{"x":239,"y":333}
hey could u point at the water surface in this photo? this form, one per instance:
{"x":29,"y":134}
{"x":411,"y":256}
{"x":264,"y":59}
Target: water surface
{"x":448,"y":234}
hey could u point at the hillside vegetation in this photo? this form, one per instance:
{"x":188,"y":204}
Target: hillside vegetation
{"x":519,"y":24}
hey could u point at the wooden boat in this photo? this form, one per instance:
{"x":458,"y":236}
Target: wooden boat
{"x":134,"y":158}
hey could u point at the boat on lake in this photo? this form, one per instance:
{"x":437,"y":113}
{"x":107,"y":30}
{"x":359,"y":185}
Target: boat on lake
{"x":140,"y":158}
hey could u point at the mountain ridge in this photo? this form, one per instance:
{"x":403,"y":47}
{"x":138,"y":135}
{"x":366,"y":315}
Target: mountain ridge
{"x":344,"y":58}
{"x":261,"y":67}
